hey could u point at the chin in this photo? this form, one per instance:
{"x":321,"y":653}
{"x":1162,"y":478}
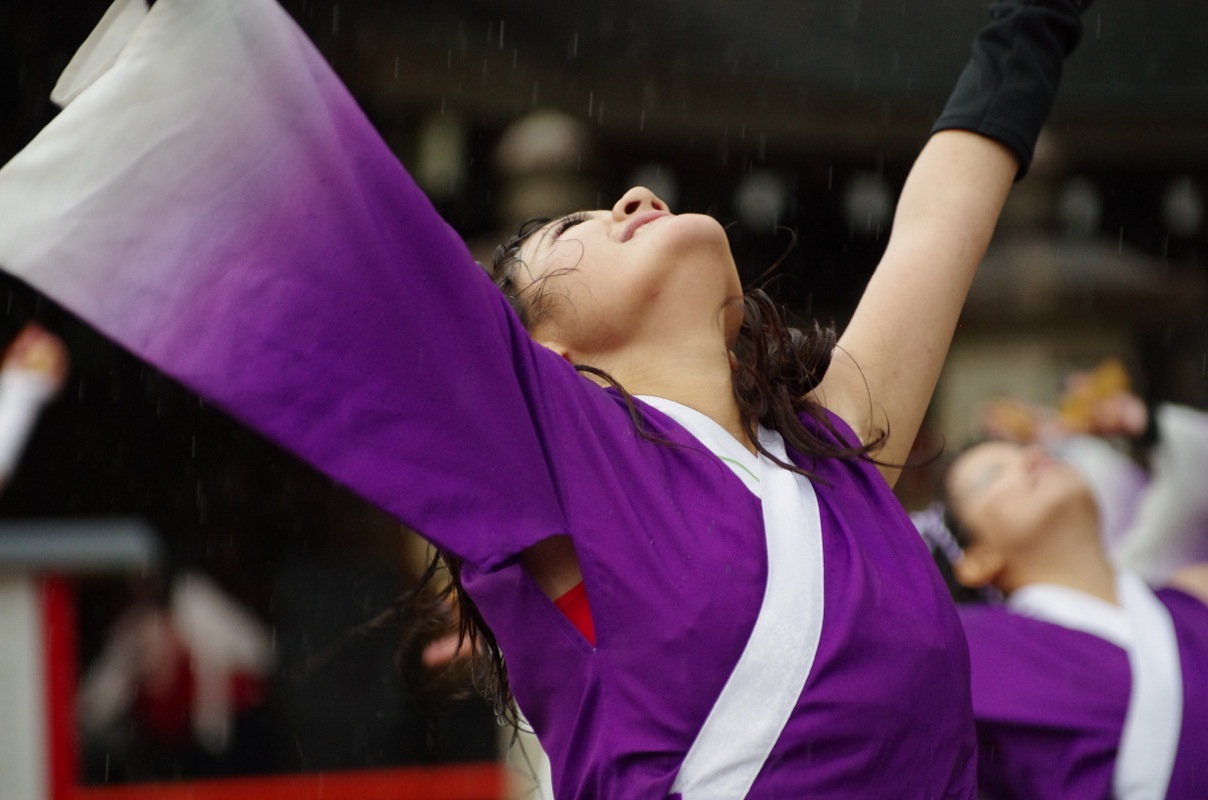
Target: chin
{"x":695,"y":249}
{"x":703,"y":226}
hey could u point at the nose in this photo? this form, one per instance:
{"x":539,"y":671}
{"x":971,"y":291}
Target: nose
{"x":637,"y":199}
{"x":1035,"y":455}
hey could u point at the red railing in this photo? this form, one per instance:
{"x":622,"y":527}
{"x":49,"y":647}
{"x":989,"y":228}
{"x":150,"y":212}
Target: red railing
{"x":460,"y":782}
{"x":485,"y":781}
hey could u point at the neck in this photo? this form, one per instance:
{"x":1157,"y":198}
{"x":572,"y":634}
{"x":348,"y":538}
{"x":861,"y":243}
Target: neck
{"x":697,"y":378}
{"x":1075,"y":560}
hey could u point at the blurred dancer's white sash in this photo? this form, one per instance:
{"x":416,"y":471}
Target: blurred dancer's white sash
{"x":1142,"y":626}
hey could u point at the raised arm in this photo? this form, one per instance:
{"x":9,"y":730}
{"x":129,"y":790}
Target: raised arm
{"x":890,"y":356}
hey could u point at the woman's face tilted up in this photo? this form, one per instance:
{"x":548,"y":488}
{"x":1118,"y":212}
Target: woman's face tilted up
{"x":630,"y":277}
{"x":1013,"y":499}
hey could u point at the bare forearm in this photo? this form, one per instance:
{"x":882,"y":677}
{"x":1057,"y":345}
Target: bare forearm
{"x":902,"y":329}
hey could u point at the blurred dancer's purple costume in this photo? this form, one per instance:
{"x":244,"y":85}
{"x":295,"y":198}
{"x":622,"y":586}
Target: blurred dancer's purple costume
{"x":1050,"y":703}
{"x":215,"y":201}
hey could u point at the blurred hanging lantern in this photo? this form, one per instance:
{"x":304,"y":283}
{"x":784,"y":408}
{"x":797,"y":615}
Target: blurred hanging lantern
{"x":440,"y":165}
{"x":546,"y":159}
{"x":1080,"y":207}
{"x":1183,"y":207}
{"x":868,"y":203}
{"x":658,"y":178}
{"x":761,"y":200}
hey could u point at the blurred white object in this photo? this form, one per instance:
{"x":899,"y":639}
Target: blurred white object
{"x":221,"y":639}
{"x":1170,"y":527}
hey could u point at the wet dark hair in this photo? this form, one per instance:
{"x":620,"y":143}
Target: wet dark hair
{"x":963,"y":537}
{"x":960,"y":534}
{"x":776,"y":366}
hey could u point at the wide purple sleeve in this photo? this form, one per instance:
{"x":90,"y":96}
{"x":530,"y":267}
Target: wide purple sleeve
{"x":212,"y":198}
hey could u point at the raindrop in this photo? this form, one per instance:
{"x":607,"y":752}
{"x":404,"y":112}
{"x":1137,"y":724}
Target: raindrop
{"x":500,"y":34}
{"x":396,"y":64}
{"x":642,"y":120}
{"x":574,"y":46}
{"x":335,"y":18}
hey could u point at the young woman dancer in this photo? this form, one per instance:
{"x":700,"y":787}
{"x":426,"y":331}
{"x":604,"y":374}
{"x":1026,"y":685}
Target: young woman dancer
{"x":212,"y":198}
{"x":1085,"y":682}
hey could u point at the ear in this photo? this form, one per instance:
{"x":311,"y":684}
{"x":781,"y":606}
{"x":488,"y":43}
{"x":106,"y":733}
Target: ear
{"x":979,"y":566}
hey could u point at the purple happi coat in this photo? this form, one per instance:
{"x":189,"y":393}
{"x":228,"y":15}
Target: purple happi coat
{"x":212,"y":198}
{"x":1050,"y":704}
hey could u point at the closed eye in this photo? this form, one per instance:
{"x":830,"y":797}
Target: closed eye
{"x":985,"y":479}
{"x":561,"y":226}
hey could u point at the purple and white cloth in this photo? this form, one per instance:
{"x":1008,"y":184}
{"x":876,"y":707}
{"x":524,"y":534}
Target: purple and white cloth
{"x":212,"y":198}
{"x":1079,"y":698}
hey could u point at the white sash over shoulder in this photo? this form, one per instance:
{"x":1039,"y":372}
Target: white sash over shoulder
{"x":761,"y":692}
{"x":1142,"y":626}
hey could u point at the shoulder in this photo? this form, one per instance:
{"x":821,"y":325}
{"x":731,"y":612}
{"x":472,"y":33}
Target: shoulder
{"x":1028,"y":669}
{"x":999,"y":635}
{"x":980,"y":619}
{"x":1191,"y":580}
{"x":829,"y":426}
